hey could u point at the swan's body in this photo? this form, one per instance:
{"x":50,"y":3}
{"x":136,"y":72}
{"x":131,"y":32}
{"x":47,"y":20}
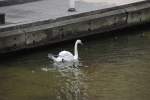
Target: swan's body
{"x":66,"y":56}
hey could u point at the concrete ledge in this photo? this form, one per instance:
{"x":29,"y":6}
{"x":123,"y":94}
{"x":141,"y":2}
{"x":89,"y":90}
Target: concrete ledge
{"x":14,"y":2}
{"x":16,"y":37}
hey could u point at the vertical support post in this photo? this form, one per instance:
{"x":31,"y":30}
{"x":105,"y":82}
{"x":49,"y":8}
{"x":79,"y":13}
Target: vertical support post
{"x":2,"y":18}
{"x":71,"y":6}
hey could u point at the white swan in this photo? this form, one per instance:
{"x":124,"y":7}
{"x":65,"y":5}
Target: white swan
{"x":66,"y":56}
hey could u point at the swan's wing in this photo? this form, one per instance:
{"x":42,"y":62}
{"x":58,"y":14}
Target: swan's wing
{"x":66,"y":55}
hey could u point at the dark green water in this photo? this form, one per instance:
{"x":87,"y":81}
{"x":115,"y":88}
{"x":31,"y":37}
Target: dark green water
{"x":114,"y":68}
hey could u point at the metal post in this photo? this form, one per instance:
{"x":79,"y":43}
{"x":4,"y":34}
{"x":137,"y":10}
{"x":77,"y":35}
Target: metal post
{"x":71,"y":6}
{"x":2,"y":18}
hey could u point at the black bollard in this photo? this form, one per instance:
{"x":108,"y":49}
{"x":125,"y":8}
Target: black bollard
{"x":2,"y":18}
{"x":71,"y":6}
{"x":71,"y":9}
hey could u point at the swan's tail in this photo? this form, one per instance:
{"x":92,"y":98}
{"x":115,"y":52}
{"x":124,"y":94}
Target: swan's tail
{"x":52,"y":57}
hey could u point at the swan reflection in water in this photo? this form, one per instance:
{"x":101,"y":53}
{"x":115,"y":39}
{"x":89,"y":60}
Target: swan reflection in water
{"x":67,"y":64}
{"x":71,"y":85}
{"x":70,"y":81}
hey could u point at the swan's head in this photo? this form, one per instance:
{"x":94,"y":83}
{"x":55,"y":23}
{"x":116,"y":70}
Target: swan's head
{"x":79,"y":41}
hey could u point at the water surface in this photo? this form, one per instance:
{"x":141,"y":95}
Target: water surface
{"x":114,"y":68}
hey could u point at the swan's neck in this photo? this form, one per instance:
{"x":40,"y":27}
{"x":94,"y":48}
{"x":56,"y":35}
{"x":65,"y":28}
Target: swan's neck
{"x":76,"y":50}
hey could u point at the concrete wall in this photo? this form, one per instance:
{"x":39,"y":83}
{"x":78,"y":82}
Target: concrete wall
{"x":51,"y":31}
